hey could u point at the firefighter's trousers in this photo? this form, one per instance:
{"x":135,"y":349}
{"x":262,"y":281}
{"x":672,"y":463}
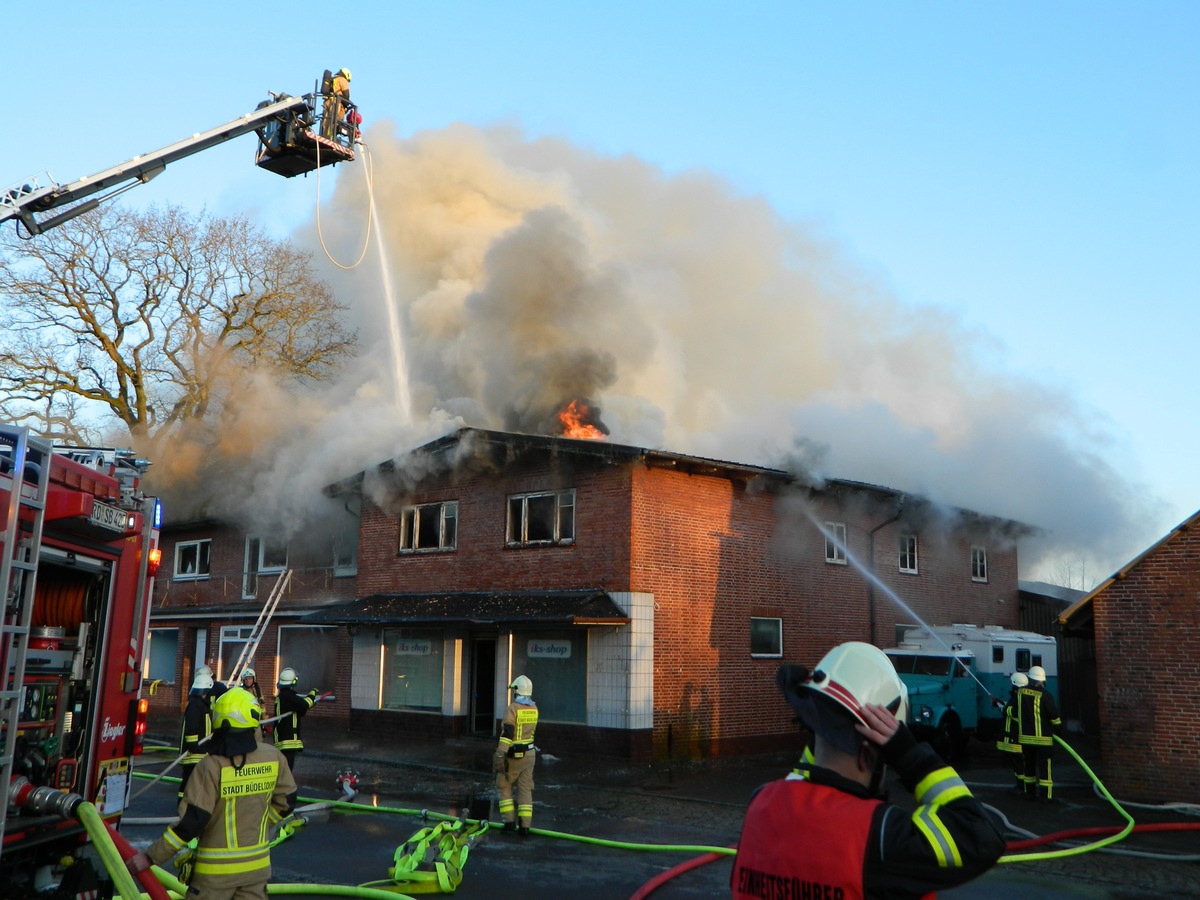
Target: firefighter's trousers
{"x":1038,"y":776}
{"x":517,"y":778}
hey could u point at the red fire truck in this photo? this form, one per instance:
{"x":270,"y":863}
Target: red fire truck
{"x":79,"y":554}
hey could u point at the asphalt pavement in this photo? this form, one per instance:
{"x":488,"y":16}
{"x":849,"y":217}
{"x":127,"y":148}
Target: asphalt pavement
{"x":598,"y":825}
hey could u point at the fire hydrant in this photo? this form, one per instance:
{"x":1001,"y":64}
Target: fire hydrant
{"x":348,"y":782}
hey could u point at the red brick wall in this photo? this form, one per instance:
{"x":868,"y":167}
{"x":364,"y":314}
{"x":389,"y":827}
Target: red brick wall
{"x":482,"y":561}
{"x":715,"y":554}
{"x":1147,"y":628}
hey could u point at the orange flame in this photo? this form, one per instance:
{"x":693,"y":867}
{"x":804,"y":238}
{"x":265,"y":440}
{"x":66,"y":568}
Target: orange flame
{"x":574,"y":426}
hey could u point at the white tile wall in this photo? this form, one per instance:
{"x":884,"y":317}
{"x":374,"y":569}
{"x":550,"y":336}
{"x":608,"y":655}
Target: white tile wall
{"x":621,"y":667}
{"x":364,"y":669}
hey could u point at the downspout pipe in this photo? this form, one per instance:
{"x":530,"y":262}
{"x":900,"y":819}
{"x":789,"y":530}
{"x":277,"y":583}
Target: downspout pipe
{"x":871,"y":563}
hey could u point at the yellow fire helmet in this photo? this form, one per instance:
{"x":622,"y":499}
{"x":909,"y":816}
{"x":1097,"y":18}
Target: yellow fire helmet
{"x":237,"y":709}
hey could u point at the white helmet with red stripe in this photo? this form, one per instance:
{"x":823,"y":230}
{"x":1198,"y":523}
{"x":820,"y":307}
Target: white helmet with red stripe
{"x":829,"y":700}
{"x":855,"y":673}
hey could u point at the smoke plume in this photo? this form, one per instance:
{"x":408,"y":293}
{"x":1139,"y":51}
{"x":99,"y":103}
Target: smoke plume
{"x":527,"y":273}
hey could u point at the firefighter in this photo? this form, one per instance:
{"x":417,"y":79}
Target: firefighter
{"x":1010,"y":741}
{"x":515,"y":756}
{"x":292,"y":707}
{"x":826,"y":831}
{"x":239,"y":791}
{"x":1037,"y":721}
{"x":336,"y":101}
{"x":197,"y":726}
{"x":250,"y":683}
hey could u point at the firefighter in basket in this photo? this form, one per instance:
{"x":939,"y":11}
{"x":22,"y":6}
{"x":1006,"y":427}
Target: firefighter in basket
{"x":515,"y":756}
{"x":238,"y":792}
{"x":827,"y":830}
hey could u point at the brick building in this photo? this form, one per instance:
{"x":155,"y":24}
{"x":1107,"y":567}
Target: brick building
{"x":213,"y":584}
{"x":649,"y":595}
{"x":1146,"y":624}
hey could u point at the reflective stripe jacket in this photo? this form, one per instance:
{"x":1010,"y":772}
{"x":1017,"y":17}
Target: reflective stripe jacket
{"x":197,"y":725}
{"x":287,"y":729}
{"x":1037,"y":716}
{"x":231,"y":811}
{"x":821,"y":835}
{"x":519,"y":724}
{"x":1010,"y":743}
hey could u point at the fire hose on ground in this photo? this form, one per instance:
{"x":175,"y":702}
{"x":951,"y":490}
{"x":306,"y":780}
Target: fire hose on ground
{"x":1108,"y":835}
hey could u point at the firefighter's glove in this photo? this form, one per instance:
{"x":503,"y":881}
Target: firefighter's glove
{"x":313,"y":693}
{"x":498,"y":763}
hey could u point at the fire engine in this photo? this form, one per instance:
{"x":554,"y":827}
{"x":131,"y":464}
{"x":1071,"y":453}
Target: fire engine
{"x":79,"y":545}
{"x":79,"y":551}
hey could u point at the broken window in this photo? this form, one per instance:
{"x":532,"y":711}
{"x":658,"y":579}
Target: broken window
{"x":541,"y":518}
{"x":979,"y":564}
{"x":429,"y":526}
{"x":908,"y":553}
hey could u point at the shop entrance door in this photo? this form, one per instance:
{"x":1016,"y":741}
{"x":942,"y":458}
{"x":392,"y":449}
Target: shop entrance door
{"x":483,"y":685}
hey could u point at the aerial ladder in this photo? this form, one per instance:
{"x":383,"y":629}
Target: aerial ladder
{"x":296,"y":136}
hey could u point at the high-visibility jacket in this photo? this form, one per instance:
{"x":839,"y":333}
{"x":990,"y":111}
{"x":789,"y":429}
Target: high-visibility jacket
{"x":197,"y":725}
{"x":1010,"y":742}
{"x":518,"y":726}
{"x":819,"y":834}
{"x":292,"y":707}
{"x":230,"y":809}
{"x":1037,"y":716}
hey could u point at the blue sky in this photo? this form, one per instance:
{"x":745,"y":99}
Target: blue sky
{"x":1026,"y":172}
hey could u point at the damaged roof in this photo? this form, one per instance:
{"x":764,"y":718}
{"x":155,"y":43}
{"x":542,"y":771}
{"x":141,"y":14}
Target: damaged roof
{"x":566,"y":607}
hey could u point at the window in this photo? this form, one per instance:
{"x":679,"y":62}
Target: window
{"x":1023,"y":660}
{"x":766,"y":637}
{"x":312,"y":651}
{"x":233,"y":639}
{"x":412,"y":669}
{"x":908,"y":553}
{"x":545,"y":518}
{"x":263,"y":557}
{"x":997,"y":653}
{"x":159,"y":664}
{"x":191,"y":560}
{"x":556,"y":663}
{"x":978,"y":564}
{"x":430,"y":526}
{"x":835,"y":543}
{"x":345,"y":539}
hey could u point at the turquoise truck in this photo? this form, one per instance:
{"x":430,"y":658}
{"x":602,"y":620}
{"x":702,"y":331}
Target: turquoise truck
{"x":959,"y":676}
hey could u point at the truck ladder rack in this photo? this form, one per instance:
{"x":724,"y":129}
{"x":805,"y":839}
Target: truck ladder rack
{"x":25,"y":473}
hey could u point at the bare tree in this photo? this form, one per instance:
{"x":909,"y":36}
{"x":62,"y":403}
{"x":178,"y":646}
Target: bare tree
{"x":156,"y":318}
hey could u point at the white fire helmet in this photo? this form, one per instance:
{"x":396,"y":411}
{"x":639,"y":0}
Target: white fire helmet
{"x":203,"y":680}
{"x":522,"y":685}
{"x":1020,"y":680}
{"x":248,"y":673}
{"x":288,"y":677}
{"x":204,"y":670}
{"x":1037,"y":673}
{"x":855,"y":673}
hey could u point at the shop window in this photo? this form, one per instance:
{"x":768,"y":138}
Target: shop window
{"x":556,"y":662}
{"x":412,"y":669}
{"x":163,"y":655}
{"x":312,"y":651}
